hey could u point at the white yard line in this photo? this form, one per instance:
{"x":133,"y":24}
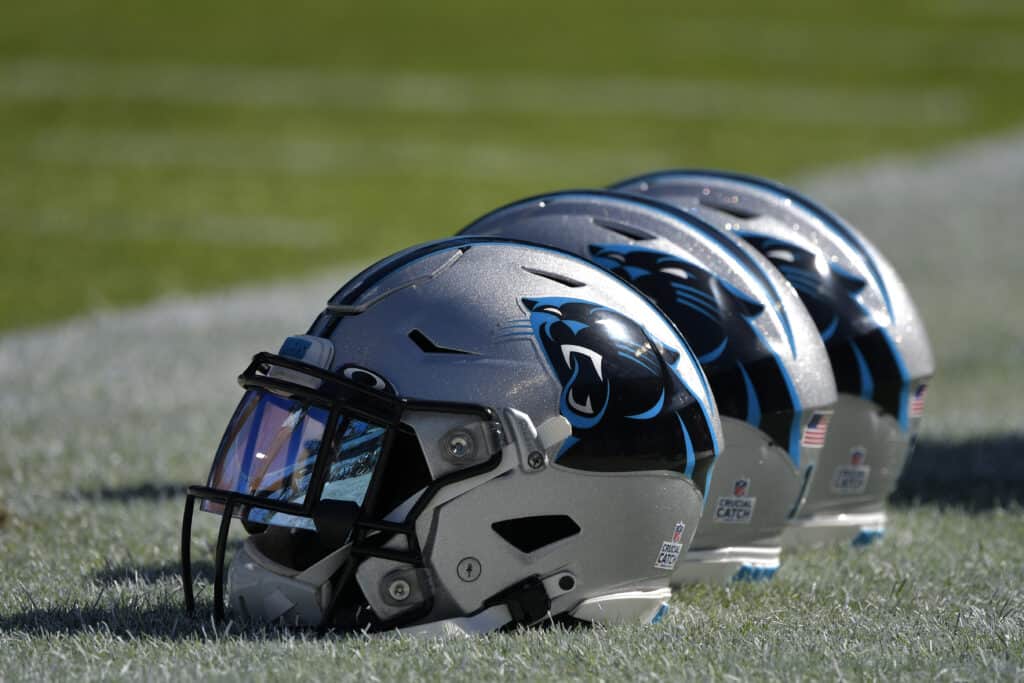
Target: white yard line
{"x":306,"y":155}
{"x":450,"y":93}
{"x":114,"y":394}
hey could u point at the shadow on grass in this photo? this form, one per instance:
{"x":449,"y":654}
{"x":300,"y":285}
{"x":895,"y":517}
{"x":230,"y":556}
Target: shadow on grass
{"x":979,"y":473}
{"x":146,"y":491}
{"x":166,"y":621}
{"x":154,"y":611}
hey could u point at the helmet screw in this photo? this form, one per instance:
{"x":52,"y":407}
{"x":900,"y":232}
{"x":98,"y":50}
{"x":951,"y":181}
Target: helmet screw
{"x":399,"y":590}
{"x":459,"y":445}
{"x":535,"y":460}
{"x":468,"y":569}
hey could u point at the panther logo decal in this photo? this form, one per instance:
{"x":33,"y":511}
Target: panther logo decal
{"x":829,"y":292}
{"x":714,"y":315}
{"x":864,"y":359}
{"x":628,"y":406}
{"x":718,"y":320}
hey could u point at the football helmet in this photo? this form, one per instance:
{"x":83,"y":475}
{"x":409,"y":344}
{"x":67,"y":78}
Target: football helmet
{"x":875,"y":338}
{"x":764,"y":359}
{"x":473,"y":435}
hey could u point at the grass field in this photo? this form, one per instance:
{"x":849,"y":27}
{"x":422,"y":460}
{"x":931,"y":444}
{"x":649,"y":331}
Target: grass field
{"x":238,"y":167}
{"x":107,"y":416}
{"x":919,"y":609}
{"x":176,"y":147}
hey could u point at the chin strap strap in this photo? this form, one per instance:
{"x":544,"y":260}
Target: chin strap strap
{"x":487,"y":621}
{"x":524,"y":604}
{"x":527,"y":602}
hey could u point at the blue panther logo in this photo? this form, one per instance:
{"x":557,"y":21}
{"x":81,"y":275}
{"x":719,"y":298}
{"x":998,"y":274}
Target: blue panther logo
{"x":865,"y":361}
{"x":719,"y":322}
{"x":715,"y":317}
{"x":829,"y":292}
{"x":628,"y":406}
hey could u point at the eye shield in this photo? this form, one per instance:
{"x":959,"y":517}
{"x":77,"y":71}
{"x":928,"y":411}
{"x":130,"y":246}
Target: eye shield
{"x":271,"y":449}
{"x":312,"y":450}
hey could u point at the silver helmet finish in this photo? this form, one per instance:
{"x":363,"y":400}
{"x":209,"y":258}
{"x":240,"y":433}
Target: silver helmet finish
{"x":876,"y":339}
{"x":457,"y":443}
{"x":766,"y":363}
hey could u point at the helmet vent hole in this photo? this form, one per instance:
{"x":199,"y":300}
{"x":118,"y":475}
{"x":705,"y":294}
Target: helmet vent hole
{"x":529,"y":534}
{"x":730,"y":209}
{"x":555,"y":277}
{"x":623,"y":229}
{"x":426,"y":345}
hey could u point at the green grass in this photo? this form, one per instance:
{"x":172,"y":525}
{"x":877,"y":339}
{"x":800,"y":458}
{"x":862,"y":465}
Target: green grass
{"x":178,"y":147}
{"x":105,"y":418}
{"x":943,"y":599}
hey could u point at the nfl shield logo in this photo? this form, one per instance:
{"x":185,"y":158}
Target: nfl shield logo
{"x":858,"y":456}
{"x":740,"y":487}
{"x":677,"y":532}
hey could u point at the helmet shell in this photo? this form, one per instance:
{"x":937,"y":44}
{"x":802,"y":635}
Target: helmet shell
{"x":876,"y":340}
{"x":759,"y":347}
{"x":534,"y":335}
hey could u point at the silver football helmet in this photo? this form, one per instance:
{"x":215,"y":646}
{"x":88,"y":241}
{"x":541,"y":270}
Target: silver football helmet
{"x":763,"y":356}
{"x":874,"y":335}
{"x":473,"y":435}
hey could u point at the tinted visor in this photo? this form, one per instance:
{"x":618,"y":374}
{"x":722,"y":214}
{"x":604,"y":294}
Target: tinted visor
{"x":286,"y":449}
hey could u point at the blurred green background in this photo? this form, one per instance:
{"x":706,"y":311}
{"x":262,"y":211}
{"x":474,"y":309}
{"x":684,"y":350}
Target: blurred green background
{"x":154,"y":148}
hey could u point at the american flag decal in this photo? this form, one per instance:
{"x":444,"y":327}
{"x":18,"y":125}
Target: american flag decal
{"x":816,"y":430}
{"x":917,"y":401}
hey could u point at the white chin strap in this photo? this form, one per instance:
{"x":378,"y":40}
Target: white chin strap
{"x":629,"y":607}
{"x":491,"y":619}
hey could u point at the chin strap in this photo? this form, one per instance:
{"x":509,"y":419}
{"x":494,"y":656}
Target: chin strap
{"x":524,"y":604}
{"x":527,"y":602}
{"x":487,"y":621}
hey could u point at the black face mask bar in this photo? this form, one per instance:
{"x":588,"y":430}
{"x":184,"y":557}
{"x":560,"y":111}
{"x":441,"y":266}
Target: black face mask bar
{"x":365,"y":527}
